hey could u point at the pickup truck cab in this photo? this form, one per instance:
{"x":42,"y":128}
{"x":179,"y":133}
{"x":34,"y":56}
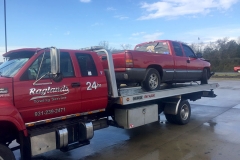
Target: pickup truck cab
{"x":152,"y":63}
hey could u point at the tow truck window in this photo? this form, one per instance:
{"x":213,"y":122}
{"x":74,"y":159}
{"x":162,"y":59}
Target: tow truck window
{"x":41,"y":67}
{"x":177,"y":49}
{"x":86,"y":64}
{"x":66,"y":67}
{"x":11,"y":67}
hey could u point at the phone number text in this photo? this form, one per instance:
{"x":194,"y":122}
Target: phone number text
{"x":49,"y":111}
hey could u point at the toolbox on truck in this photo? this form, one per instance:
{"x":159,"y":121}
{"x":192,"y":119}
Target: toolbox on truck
{"x":135,"y":117}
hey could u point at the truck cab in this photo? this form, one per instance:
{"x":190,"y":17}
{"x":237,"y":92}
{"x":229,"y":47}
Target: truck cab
{"x":31,"y":91}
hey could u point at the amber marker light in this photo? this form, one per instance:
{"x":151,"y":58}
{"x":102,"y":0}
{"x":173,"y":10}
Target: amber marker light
{"x":48,"y":121}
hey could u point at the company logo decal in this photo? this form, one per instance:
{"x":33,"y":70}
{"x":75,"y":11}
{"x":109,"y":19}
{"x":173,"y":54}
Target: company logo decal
{"x":149,"y":96}
{"x":137,"y":98}
{"x":3,"y":90}
{"x":44,"y":93}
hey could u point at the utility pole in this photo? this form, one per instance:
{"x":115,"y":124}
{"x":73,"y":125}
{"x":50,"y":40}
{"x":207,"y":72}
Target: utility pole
{"x":198,"y":45}
{"x":5,"y":25}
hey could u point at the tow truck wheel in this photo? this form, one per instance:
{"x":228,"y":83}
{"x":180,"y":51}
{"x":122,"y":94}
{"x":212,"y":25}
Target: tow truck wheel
{"x":170,"y":118}
{"x":183,"y":114}
{"x":6,"y":153}
{"x":152,"y":80}
{"x":204,"y":79}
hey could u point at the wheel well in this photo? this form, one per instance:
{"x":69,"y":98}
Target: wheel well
{"x":208,"y":71}
{"x":158,"y":68}
{"x":9,"y":132}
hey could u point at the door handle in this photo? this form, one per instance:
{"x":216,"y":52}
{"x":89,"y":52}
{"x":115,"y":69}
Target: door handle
{"x":188,"y":61}
{"x":75,"y":84}
{"x":104,"y":57}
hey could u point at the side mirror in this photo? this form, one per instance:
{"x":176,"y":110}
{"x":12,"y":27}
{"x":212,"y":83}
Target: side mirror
{"x":55,"y":60}
{"x":199,"y":55}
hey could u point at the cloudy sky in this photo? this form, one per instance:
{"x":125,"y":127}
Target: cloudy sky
{"x":81,"y":23}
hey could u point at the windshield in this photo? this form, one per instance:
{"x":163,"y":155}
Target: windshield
{"x":11,"y":67}
{"x":156,"y":47}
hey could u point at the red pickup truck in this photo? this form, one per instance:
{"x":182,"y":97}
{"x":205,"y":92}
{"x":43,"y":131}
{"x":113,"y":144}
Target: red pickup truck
{"x":236,"y":69}
{"x":151,"y":63}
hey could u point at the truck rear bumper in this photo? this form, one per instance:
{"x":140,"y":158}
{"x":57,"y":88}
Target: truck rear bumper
{"x":131,"y":75}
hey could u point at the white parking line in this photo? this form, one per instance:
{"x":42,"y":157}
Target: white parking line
{"x":237,"y":106}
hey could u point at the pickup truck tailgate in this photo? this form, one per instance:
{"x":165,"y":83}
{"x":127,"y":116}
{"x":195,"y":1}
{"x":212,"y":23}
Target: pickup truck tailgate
{"x":121,"y":60}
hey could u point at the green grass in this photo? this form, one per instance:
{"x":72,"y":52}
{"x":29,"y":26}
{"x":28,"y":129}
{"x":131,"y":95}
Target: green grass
{"x":226,"y":75}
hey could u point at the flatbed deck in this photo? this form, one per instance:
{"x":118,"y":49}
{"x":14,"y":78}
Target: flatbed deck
{"x":136,"y":94}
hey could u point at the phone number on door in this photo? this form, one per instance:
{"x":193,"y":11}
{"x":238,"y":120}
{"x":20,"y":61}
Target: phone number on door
{"x":49,"y":111}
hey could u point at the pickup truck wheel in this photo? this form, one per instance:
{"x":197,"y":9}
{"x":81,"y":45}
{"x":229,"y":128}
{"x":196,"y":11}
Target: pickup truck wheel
{"x":204,"y":79}
{"x":152,"y":80}
{"x":6,"y":153}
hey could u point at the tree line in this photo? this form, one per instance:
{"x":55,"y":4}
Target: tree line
{"x":223,"y":54}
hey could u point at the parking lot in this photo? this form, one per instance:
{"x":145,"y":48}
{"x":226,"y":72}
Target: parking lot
{"x":213,"y":133}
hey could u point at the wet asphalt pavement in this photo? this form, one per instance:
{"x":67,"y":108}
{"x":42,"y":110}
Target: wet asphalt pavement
{"x":212,"y":133}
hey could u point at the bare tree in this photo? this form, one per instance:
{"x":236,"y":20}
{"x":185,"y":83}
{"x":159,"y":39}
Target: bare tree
{"x":106,"y":46}
{"x":238,"y":40}
{"x":194,"y":47}
{"x":126,"y":46}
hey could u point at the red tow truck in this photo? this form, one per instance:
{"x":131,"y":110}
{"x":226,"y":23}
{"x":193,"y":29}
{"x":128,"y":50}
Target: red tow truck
{"x":56,"y":98}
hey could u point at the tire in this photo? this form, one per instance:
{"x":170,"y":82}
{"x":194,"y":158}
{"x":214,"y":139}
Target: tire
{"x":204,"y":79}
{"x":183,"y":114}
{"x":6,"y":153}
{"x":238,"y":71}
{"x":170,"y":118}
{"x":152,"y":80}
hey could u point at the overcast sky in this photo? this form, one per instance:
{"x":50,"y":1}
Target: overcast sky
{"x":76,"y":24}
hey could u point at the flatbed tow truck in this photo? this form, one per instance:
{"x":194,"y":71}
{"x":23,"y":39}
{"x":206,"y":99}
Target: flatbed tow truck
{"x":53,"y":126}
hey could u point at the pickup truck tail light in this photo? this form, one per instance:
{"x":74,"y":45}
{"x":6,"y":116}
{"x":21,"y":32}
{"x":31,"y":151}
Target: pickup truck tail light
{"x":129,"y":59}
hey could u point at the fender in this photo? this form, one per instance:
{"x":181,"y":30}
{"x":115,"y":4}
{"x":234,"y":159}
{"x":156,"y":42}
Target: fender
{"x":9,"y":113}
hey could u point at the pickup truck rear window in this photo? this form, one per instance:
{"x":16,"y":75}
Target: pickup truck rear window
{"x":156,"y":47}
{"x":86,"y":64}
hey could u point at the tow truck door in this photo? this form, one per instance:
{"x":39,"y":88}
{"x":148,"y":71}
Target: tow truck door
{"x":46,"y":98}
{"x":93,"y":82}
